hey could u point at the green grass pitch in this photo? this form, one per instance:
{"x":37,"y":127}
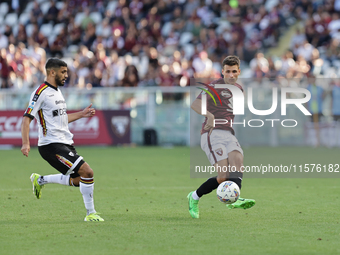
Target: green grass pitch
{"x":141,"y":193}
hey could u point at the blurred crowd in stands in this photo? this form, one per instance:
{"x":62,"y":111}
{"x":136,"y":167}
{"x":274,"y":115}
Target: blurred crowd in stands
{"x":133,"y":43}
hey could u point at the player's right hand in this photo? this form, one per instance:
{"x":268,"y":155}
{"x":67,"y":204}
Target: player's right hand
{"x":210,"y":123}
{"x":25,"y":149}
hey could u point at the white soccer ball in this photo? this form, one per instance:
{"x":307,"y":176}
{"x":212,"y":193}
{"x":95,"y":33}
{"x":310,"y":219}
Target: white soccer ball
{"x":228,"y":192}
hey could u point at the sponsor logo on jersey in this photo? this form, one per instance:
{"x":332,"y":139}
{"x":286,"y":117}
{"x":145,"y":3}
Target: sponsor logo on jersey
{"x":60,"y":102}
{"x":30,"y":107}
{"x":71,"y":154}
{"x":59,"y":112}
{"x":225,"y":93}
{"x":55,"y":113}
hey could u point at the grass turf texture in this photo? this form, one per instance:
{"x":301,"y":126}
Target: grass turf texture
{"x":141,"y":194}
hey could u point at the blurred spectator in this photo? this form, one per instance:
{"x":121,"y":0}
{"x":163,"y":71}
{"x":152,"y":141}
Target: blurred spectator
{"x":3,"y":41}
{"x":334,"y":25}
{"x":21,"y":36}
{"x":52,"y":13}
{"x":297,"y":39}
{"x":270,"y":72}
{"x":5,"y":69}
{"x":90,"y":35}
{"x":58,"y":45}
{"x":131,"y":78}
{"x":259,"y":62}
{"x":178,"y":20}
{"x":336,"y":100}
{"x":305,"y":50}
{"x":87,"y":20}
{"x":36,"y":14}
{"x":202,"y":65}
{"x":317,"y":96}
{"x":287,"y":64}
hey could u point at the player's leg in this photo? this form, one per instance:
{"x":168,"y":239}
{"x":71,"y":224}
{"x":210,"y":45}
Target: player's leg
{"x":56,"y":179}
{"x":62,"y":157}
{"x":236,"y":163}
{"x":218,"y":157}
{"x":213,"y":182}
{"x":86,"y":186}
{"x":207,"y":187}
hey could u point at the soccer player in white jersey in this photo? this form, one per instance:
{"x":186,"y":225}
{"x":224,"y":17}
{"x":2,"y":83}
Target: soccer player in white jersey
{"x":48,"y":106}
{"x":219,"y":141}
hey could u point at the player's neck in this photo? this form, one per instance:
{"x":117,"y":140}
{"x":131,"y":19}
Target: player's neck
{"x":52,"y":82}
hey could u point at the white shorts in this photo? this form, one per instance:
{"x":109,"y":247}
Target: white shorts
{"x":219,"y":144}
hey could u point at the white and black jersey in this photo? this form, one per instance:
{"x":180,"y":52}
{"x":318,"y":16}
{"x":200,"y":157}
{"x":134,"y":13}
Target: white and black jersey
{"x":48,"y":106}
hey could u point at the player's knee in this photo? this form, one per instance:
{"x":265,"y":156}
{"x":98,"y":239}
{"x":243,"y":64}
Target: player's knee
{"x":85,"y":171}
{"x":236,"y":159}
{"x":221,"y":179}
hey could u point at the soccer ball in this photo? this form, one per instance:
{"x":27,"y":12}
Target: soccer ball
{"x":228,"y":192}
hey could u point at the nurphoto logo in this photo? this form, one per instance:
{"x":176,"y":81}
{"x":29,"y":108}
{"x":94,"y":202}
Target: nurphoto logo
{"x":236,"y":104}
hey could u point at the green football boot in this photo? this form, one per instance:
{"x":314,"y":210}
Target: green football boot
{"x":36,"y":187}
{"x":242,"y":203}
{"x":93,"y":217}
{"x":193,"y":206}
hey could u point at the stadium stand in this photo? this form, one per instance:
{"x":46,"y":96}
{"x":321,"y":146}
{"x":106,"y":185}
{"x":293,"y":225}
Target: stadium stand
{"x":103,"y":40}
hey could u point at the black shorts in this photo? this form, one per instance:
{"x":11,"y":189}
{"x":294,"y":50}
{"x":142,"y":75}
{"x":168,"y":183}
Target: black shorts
{"x":62,"y":157}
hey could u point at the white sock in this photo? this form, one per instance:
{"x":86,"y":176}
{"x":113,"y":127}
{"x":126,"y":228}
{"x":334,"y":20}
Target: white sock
{"x":54,"y":178}
{"x":194,"y":196}
{"x":86,"y":186}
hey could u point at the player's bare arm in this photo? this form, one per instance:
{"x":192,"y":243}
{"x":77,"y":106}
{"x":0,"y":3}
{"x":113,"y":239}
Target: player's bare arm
{"x":25,"y":129}
{"x":86,"y":113}
{"x":196,"y":106}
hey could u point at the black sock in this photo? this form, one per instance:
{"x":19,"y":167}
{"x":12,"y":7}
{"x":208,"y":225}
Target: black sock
{"x":207,"y":187}
{"x":236,"y":177}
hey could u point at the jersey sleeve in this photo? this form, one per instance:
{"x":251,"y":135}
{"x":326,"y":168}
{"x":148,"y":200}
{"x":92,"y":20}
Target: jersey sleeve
{"x":36,"y":99}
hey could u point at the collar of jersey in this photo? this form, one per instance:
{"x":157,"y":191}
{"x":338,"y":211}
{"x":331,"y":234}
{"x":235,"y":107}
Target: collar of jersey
{"x":51,"y":86}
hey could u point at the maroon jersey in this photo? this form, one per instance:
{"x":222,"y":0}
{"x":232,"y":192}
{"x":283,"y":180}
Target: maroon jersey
{"x":223,"y":111}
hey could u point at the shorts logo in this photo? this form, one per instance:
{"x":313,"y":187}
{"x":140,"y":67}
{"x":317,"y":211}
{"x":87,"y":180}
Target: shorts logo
{"x":64,"y":161}
{"x":219,"y":151}
{"x":71,"y":154}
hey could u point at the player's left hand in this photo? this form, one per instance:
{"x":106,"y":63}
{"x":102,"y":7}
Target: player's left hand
{"x":89,"y":112}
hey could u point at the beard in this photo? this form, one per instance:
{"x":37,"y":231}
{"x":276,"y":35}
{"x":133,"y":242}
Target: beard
{"x":58,"y":81}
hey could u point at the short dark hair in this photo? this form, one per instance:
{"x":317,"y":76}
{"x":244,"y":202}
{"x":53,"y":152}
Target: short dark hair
{"x":231,"y":61}
{"x":54,"y":63}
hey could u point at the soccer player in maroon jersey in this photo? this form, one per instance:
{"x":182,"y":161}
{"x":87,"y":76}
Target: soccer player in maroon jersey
{"x":219,"y":142}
